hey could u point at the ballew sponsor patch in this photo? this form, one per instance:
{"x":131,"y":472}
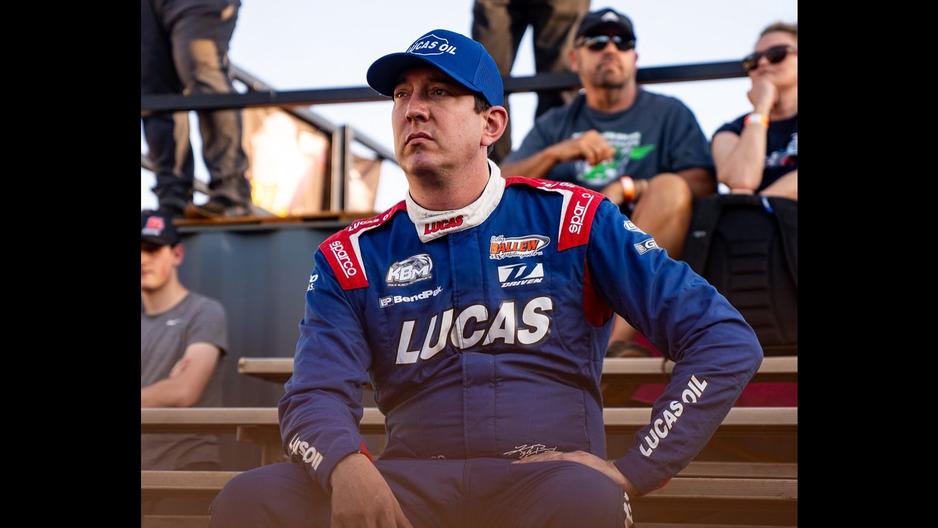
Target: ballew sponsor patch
{"x":523,"y":246}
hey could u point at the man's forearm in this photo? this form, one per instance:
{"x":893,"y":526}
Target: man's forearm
{"x":167,"y":393}
{"x":744,"y":164}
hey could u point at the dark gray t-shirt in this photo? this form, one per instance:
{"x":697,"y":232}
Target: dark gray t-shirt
{"x":163,"y":341}
{"x":658,"y":133}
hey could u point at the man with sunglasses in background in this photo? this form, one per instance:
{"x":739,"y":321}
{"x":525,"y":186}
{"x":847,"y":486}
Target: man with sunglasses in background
{"x":758,"y":152}
{"x":182,"y":338}
{"x":644,"y":151}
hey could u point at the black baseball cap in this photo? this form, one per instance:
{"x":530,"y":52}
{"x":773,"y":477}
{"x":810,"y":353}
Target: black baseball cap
{"x":157,"y":229}
{"x":607,"y":21}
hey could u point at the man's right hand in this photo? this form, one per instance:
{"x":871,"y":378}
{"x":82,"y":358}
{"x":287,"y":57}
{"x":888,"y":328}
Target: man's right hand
{"x":362,"y":498}
{"x":590,"y":146}
{"x":763,"y":95}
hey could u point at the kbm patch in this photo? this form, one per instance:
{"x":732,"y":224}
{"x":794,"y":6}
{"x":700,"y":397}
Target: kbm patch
{"x":432,"y":45}
{"x":410,"y":270}
{"x":646,"y":245}
{"x":312,"y":279}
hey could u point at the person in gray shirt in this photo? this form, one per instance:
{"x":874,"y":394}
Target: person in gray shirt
{"x":644,"y":151}
{"x":183,"y":336}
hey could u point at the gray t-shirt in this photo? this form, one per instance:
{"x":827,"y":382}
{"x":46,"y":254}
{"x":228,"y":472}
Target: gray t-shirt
{"x":163,"y":341}
{"x":658,"y":133}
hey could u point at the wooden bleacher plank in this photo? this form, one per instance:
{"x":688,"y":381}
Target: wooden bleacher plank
{"x":697,"y":488}
{"x":260,"y":426}
{"x":634,"y":370}
{"x":175,"y":521}
{"x":185,"y":481}
{"x":749,"y":470}
{"x":228,"y":419}
{"x":686,"y":488}
{"x":683,"y":525}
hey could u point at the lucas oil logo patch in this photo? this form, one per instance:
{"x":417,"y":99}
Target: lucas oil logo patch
{"x":432,"y":45}
{"x":410,"y":270}
{"x":524,"y":246}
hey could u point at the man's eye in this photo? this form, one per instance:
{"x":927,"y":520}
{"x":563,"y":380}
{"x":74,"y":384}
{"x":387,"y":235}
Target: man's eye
{"x":400,"y":93}
{"x":439,"y":91}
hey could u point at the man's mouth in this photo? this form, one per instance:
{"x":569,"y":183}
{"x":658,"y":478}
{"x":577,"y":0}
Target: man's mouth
{"x":416,"y":135}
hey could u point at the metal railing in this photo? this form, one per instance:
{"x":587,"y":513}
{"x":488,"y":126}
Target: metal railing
{"x":260,"y":94}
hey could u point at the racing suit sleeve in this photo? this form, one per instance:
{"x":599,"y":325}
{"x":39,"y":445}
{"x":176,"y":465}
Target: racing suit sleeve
{"x":321,"y":408}
{"x":715,"y":351}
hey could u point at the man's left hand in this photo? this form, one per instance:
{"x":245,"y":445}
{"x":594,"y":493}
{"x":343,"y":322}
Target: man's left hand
{"x":606,"y":467}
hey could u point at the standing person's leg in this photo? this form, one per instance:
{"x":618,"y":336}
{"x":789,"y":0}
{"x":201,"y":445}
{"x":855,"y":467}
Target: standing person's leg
{"x":166,"y":133}
{"x":555,"y":22}
{"x":556,"y":494}
{"x":200,"y":37}
{"x":499,"y":25}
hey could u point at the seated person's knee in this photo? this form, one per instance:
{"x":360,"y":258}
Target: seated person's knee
{"x":671,"y":190}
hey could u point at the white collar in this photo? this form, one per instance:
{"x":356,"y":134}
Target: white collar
{"x":434,"y":224}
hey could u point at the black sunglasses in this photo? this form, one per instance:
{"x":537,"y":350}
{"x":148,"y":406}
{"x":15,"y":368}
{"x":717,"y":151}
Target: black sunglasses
{"x":775,"y":55}
{"x":599,"y":42}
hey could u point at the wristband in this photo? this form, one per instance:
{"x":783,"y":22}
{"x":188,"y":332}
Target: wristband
{"x":628,"y":188}
{"x":758,"y":118}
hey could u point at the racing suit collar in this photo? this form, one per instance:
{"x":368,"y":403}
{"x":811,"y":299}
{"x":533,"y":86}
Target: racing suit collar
{"x":435,"y":224}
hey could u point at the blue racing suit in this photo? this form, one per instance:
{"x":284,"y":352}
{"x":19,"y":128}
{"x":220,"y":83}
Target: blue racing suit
{"x":483,"y":332}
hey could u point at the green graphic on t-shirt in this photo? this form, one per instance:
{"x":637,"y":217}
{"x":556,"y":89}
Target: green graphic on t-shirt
{"x":608,"y":170}
{"x":640,"y":152}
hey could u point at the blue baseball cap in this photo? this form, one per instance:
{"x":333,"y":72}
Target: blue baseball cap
{"x":458,"y":56}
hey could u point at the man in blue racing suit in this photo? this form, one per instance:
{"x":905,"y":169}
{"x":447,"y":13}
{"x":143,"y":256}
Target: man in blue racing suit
{"x":479,"y":308}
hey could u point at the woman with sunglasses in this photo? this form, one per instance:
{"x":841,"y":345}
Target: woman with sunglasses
{"x":758,"y":152}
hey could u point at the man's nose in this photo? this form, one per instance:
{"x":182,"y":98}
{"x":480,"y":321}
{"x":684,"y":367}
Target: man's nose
{"x":417,"y":108}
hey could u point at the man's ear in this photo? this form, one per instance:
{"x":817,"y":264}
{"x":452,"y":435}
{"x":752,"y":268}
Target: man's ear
{"x":496,"y":121}
{"x":572,"y":59}
{"x":179,"y":251}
